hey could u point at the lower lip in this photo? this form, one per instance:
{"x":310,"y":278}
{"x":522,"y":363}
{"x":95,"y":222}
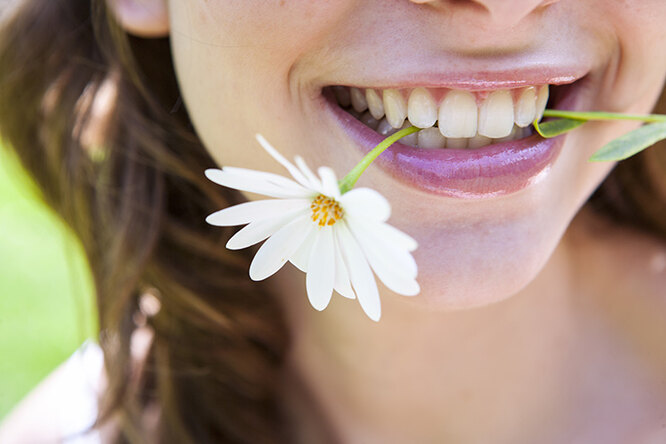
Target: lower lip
{"x":494,"y":170}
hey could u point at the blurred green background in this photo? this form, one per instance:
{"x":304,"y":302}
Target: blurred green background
{"x":46,"y":292}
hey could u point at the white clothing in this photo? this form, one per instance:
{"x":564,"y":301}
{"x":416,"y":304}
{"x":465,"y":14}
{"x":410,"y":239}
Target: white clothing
{"x":77,"y":395}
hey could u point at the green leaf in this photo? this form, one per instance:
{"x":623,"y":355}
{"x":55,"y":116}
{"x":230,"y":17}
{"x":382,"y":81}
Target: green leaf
{"x":631,"y":143}
{"x":554,"y":128}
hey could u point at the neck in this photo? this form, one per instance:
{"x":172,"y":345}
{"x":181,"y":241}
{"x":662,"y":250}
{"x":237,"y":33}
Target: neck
{"x":423,"y":376}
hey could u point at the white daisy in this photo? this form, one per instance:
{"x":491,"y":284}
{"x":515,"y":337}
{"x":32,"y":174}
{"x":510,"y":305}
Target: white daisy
{"x":336,"y":239}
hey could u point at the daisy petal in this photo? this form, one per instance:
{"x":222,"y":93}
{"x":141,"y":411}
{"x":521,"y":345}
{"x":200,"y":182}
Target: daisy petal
{"x":259,"y":230}
{"x":396,"y":237}
{"x":315,"y":183}
{"x":403,"y":260}
{"x":277,"y":249}
{"x":392,"y":266}
{"x":260,"y":182}
{"x":366,"y":203}
{"x":267,"y":179}
{"x":388,"y":234}
{"x":262,"y":176}
{"x":342,"y":283}
{"x":329,"y":183}
{"x":257,"y":210}
{"x":361,"y":276}
{"x":275,"y":154}
{"x":321,"y":269}
{"x":301,"y":257}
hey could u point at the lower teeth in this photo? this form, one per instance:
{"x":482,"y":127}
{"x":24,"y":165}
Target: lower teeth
{"x":431,"y":138}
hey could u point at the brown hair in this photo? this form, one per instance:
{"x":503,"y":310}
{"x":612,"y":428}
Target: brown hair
{"x":130,"y":183}
{"x":97,"y":120}
{"x":634,"y":194}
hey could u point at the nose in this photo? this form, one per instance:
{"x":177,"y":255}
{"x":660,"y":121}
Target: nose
{"x":502,"y":12}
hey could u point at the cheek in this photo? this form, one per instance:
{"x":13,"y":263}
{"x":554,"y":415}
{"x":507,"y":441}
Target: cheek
{"x":234,"y":61}
{"x":641,"y":63}
{"x":223,"y":64}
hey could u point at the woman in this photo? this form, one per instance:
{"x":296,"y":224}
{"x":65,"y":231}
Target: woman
{"x":530,"y":325}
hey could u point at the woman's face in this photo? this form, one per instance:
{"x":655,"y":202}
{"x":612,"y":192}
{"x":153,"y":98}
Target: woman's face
{"x":487,"y":218}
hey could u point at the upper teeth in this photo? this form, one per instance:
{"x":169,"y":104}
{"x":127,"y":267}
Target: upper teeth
{"x":464,"y":118}
{"x":458,"y":115}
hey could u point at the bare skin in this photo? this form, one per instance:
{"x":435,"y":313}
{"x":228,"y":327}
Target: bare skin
{"x":584,"y":366}
{"x":575,"y":357}
{"x":530,"y":327}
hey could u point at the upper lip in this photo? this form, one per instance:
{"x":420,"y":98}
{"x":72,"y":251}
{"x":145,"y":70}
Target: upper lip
{"x":480,"y":80}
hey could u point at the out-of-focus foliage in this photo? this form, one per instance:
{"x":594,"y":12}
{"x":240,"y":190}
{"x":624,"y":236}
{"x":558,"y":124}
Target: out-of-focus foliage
{"x":46,"y":308}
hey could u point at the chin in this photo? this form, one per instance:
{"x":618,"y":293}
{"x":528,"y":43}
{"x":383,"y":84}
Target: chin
{"x":482,"y":263}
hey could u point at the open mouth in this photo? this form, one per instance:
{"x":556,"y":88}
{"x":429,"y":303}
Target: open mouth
{"x":450,"y":118}
{"x":473,"y":143}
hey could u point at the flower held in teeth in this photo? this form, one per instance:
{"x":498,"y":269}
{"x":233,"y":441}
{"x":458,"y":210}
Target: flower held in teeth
{"x":337,"y":239}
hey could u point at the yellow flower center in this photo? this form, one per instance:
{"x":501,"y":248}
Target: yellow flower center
{"x":326,"y":210}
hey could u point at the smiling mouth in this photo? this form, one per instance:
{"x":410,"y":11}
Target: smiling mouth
{"x":473,"y":144}
{"x":449,"y":118}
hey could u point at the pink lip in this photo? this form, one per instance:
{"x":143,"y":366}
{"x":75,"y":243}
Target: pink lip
{"x":494,"y":170}
{"x":487,"y":80}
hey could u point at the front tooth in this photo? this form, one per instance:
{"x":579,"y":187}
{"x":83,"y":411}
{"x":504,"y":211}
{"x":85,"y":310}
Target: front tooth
{"x":395,"y":107}
{"x":478,"y":141}
{"x":458,"y":114}
{"x":421,"y":108}
{"x":496,"y":115}
{"x":368,"y":120}
{"x":513,"y":135}
{"x":541,"y":101}
{"x":375,"y":104}
{"x":454,"y":142}
{"x":431,"y":138}
{"x":358,"y":100}
{"x":342,"y":95}
{"x":526,"y":107}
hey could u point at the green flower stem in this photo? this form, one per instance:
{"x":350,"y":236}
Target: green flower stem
{"x":619,"y":149}
{"x":598,"y":115}
{"x":348,"y":182}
